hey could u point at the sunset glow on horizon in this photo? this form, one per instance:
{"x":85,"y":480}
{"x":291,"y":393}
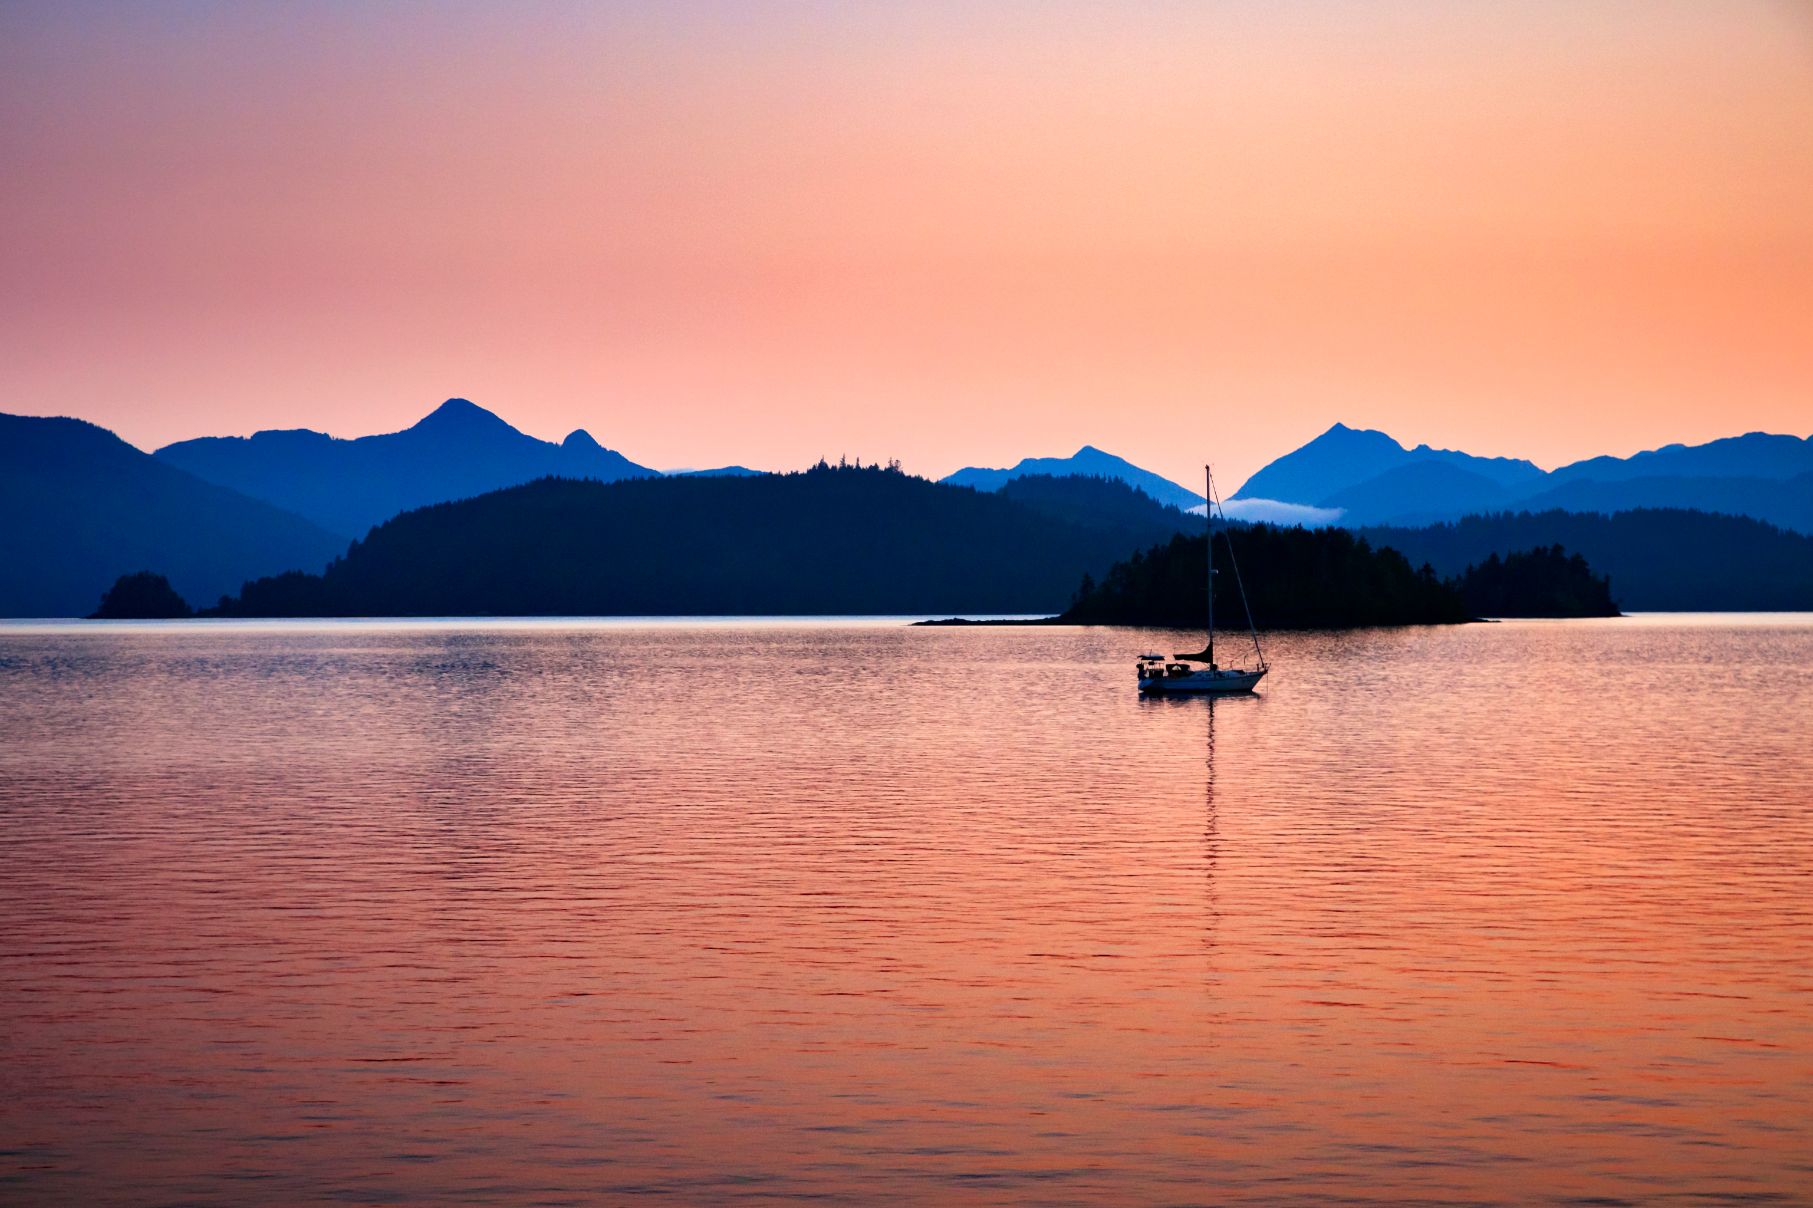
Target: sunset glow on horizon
{"x":759,"y":234}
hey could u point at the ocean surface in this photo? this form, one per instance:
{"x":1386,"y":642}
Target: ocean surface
{"x":573,"y":912}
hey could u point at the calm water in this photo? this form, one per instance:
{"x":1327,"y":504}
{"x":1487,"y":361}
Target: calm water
{"x":554,"y":913}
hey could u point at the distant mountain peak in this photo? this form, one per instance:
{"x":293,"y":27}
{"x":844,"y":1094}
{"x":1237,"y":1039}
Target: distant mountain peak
{"x":715,"y":472}
{"x":455,"y":407}
{"x":1344,"y":457}
{"x":1372,"y":478}
{"x":1351,"y":435}
{"x":459,"y":414}
{"x":1339,"y":429}
{"x":1088,"y":461}
{"x":456,"y":451}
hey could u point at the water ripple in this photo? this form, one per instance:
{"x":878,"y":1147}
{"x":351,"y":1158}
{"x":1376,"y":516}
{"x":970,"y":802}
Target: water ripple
{"x":561,"y":912}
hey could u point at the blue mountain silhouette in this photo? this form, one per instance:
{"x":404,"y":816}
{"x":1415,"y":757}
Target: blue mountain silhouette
{"x":79,"y":507}
{"x":1785,"y":502}
{"x":1375,"y":480}
{"x":457,"y":451}
{"x":1087,"y":461}
{"x":1420,"y":492}
{"x":1343,"y":457}
{"x":1752,"y":455}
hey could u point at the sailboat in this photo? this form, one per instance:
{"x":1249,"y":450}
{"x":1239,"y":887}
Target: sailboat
{"x":1199,"y":672}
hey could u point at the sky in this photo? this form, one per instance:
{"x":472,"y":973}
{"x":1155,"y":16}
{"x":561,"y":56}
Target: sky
{"x":949,"y":233}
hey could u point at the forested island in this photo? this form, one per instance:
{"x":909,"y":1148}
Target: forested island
{"x":1329,"y":579}
{"x":142,"y":596}
{"x":826,"y":541}
{"x":870,"y":540}
{"x":1536,"y":583}
{"x":1295,"y":579}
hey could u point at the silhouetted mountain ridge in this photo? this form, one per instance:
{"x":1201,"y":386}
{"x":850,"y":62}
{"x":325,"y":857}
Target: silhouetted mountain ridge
{"x":1784,"y":502}
{"x":456,"y":451}
{"x":1752,"y":455}
{"x":1409,"y":489}
{"x":1094,"y":501}
{"x":1372,"y":479}
{"x":1087,"y":461}
{"x":79,"y":507}
{"x":1343,"y":458}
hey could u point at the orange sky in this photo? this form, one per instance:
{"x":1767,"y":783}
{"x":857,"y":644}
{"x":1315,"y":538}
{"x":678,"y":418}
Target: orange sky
{"x":949,"y":233}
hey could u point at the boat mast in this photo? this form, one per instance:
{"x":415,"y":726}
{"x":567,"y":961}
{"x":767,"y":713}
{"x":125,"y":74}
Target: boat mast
{"x":1208,"y":523}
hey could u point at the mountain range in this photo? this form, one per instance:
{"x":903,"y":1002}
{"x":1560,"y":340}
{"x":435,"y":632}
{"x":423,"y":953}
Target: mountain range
{"x":1347,"y":476}
{"x":1089,"y":462}
{"x":79,"y":507}
{"x":346,"y":486}
{"x":1358,"y":477}
{"x":1344,"y":459}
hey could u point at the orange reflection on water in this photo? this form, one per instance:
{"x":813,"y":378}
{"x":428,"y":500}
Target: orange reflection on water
{"x":533,"y":911}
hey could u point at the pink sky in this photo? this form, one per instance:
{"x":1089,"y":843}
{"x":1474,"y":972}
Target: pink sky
{"x":949,"y":233}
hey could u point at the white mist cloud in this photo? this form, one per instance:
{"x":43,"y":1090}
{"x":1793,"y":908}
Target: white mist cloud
{"x":1276,"y":511}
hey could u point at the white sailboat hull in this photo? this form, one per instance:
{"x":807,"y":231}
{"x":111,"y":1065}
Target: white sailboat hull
{"x":1197,"y":682}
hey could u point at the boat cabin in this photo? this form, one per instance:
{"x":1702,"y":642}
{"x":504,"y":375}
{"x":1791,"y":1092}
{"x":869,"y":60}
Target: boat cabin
{"x":1157,"y":666}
